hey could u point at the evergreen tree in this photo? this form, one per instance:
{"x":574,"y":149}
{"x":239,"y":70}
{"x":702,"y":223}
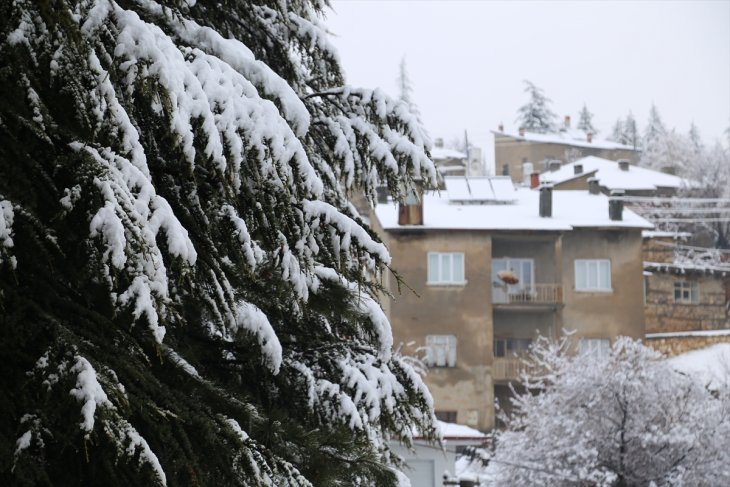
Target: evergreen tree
{"x":630,"y":134}
{"x":585,"y":121}
{"x":536,"y":115}
{"x":405,"y":89}
{"x":695,"y":140}
{"x":654,"y":141}
{"x":186,"y":295}
{"x":617,"y":132}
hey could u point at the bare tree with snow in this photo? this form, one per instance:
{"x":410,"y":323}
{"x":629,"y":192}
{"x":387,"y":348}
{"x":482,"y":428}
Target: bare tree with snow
{"x":625,"y":419}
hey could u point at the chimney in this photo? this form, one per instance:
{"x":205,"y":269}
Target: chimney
{"x":589,"y":137}
{"x":522,"y":131}
{"x":577,"y":169}
{"x":616,"y":205}
{"x":505,"y":169}
{"x":623,"y":164}
{"x":410,"y":211}
{"x":439,"y":142}
{"x":501,"y":127}
{"x":546,"y":200}
{"x":554,"y":165}
{"x":593,"y":187}
{"x":534,"y":180}
{"x":567,"y":121}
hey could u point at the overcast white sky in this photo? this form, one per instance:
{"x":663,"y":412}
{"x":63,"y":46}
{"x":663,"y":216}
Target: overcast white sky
{"x":467,"y":59}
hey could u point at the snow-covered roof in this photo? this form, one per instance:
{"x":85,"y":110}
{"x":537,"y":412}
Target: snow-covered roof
{"x":440,"y":153}
{"x":571,"y":209}
{"x":611,"y":176}
{"x":452,"y":431}
{"x":710,"y":365}
{"x":720,"y":270}
{"x":664,"y":234}
{"x":575,"y":138}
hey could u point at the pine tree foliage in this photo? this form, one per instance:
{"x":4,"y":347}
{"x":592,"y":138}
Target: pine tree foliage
{"x":536,"y":115}
{"x":405,"y":88}
{"x":186,"y":295}
{"x":627,"y":419}
{"x":625,"y":132}
{"x":654,"y":143}
{"x":585,"y":121}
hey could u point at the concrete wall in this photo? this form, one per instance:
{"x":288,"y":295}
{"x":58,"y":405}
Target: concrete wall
{"x":463,"y":311}
{"x":605,"y":314}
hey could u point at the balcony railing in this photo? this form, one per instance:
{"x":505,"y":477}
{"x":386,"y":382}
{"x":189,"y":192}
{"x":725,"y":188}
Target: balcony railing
{"x":528,"y":294}
{"x":507,"y":368}
{"x":511,"y":367}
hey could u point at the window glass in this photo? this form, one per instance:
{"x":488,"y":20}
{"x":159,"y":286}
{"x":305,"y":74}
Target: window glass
{"x":592,"y":275}
{"x":458,"y":273}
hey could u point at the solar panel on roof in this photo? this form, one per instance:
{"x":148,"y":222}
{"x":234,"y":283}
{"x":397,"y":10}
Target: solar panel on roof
{"x":494,"y":189}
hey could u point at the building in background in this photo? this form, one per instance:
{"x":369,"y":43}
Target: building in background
{"x":519,"y":154}
{"x":452,"y":162}
{"x":487,"y":267}
{"x":687,"y":294}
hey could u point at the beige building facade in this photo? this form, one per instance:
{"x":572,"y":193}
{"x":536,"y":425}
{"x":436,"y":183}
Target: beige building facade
{"x":472,"y":322}
{"x":518,"y":154}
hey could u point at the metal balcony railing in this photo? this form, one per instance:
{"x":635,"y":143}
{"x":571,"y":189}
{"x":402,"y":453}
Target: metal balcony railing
{"x":528,"y":294}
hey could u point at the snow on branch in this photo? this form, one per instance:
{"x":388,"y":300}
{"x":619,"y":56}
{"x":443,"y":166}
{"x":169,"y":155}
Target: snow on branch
{"x":88,"y":390}
{"x":6,"y":232}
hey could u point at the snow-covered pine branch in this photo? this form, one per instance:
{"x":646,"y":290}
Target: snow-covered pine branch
{"x":177,"y":247}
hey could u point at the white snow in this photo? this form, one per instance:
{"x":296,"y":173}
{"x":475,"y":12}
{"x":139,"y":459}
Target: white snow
{"x":253,"y":320}
{"x":571,"y":209}
{"x":146,"y":455}
{"x":612,"y":177}
{"x":442,"y":153}
{"x":459,"y":431}
{"x":23,"y":442}
{"x":6,"y":232}
{"x":710,"y":365}
{"x":89,"y":392}
{"x":575,"y":138}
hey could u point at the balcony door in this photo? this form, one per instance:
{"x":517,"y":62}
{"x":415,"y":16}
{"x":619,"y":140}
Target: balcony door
{"x":523,"y":270}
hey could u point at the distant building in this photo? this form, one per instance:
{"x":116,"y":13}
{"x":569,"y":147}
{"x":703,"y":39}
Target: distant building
{"x":427,"y":464}
{"x":518,"y":154}
{"x":612,"y":176}
{"x":687,"y":293}
{"x":490,"y":266}
{"x":451,"y":162}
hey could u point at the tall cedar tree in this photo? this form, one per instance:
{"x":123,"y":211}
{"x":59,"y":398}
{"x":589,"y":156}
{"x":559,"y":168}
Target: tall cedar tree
{"x":186,"y":295}
{"x":585,"y":121}
{"x":536,"y":115}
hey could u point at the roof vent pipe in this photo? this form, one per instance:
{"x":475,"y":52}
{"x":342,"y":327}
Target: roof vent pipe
{"x":616,"y":205}
{"x":589,"y":137}
{"x":623,"y":164}
{"x":578,"y":168}
{"x":522,"y":131}
{"x":546,"y":200}
{"x":593,"y":187}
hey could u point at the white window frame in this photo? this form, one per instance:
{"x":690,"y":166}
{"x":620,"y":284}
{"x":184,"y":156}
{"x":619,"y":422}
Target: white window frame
{"x":445,"y":268}
{"x":441,"y":350}
{"x":689,"y":292}
{"x":598,"y":347}
{"x":602,"y":268}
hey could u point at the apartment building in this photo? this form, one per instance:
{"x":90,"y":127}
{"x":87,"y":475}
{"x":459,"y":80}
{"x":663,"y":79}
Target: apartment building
{"x":519,"y":154}
{"x":488,"y":266}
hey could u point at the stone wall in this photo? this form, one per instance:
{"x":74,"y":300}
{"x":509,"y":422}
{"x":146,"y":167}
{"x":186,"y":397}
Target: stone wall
{"x":671,"y":346}
{"x":663,"y":315}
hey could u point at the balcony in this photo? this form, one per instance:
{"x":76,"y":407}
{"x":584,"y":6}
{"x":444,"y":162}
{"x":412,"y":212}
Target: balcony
{"x":528,"y":295}
{"x":509,"y":369}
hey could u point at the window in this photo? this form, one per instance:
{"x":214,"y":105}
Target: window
{"x":598,"y":347}
{"x":522,"y":268}
{"x":686,"y":292}
{"x":446,"y":268}
{"x":441,"y":350}
{"x":509,"y":347}
{"x":593,"y":275}
{"x":446,"y":416}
